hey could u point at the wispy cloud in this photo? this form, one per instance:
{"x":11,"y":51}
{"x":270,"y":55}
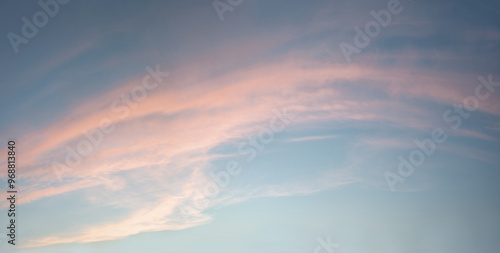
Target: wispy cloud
{"x":164,"y":147}
{"x":312,"y":138}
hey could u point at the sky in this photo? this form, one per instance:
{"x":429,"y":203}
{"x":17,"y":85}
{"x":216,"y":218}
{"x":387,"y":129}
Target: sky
{"x":280,"y":126}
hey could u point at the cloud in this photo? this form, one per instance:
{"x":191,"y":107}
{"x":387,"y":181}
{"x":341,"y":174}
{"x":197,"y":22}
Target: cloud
{"x":310,"y":138}
{"x":161,"y":149}
{"x":167,"y":137}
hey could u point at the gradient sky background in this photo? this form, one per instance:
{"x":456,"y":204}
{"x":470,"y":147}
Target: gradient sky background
{"x":323,"y":175}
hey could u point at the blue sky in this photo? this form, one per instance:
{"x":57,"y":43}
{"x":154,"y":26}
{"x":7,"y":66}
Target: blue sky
{"x":156,"y":126}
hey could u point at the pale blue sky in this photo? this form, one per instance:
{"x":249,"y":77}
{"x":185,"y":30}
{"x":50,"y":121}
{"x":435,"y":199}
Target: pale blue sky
{"x":323,"y":175}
